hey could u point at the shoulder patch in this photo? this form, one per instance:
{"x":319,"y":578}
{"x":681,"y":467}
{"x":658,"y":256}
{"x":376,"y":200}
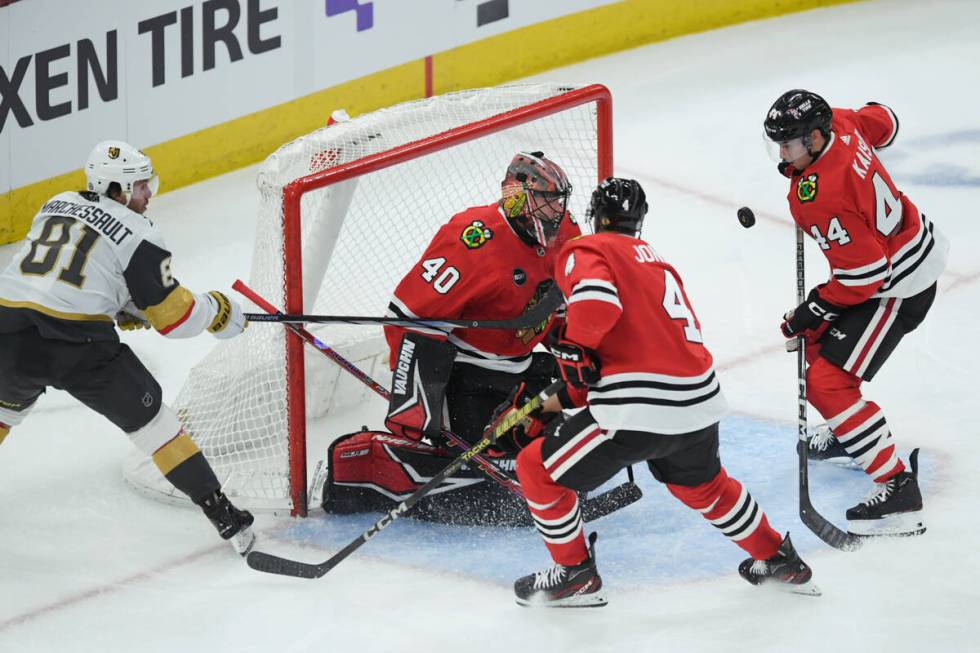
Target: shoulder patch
{"x":806,"y":189}
{"x":475,"y":235}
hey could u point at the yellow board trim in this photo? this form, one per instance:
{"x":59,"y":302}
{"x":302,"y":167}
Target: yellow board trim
{"x":246,"y":140}
{"x":174,"y":453}
{"x":76,"y":317}
{"x":3,"y":433}
{"x":171,"y":310}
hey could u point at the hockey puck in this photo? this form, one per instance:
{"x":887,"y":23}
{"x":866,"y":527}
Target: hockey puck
{"x":746,"y":217}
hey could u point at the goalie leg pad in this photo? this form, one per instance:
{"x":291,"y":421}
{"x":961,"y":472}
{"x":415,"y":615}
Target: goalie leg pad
{"x":419,"y":380}
{"x":374,"y":470}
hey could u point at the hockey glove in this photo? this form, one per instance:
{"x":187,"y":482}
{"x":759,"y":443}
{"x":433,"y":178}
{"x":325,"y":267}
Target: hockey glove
{"x":522,"y":433}
{"x":229,"y":321}
{"x":129,"y":322}
{"x":579,"y":366}
{"x":809,"y":315}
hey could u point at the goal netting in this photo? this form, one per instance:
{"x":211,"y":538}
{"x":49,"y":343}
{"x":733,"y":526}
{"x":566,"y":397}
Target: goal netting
{"x":345,"y":211}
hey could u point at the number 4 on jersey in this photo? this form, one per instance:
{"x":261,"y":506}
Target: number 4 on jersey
{"x":443,"y":281}
{"x":835,"y":232}
{"x":676,"y":306}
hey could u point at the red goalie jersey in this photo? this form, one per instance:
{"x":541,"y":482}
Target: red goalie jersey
{"x":875,"y":240}
{"x":629,"y":306}
{"x":477,"y":267}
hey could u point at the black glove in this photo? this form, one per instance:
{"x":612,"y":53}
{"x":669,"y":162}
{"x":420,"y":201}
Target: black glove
{"x":521,"y":434}
{"x":579,"y":366}
{"x":129,"y":322}
{"x":809,"y":315}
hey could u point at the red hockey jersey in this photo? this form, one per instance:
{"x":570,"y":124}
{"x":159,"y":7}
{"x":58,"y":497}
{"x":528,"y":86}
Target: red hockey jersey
{"x":477,"y":267}
{"x":629,"y":306}
{"x":875,"y":240}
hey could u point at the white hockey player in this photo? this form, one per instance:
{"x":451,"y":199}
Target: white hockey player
{"x":91,"y":258}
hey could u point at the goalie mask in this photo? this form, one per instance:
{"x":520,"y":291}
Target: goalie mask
{"x":535,"y":194}
{"x":119,"y":162}
{"x":618,"y":205}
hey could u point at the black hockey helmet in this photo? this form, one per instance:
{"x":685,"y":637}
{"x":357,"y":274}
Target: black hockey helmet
{"x":618,"y":205}
{"x":795,"y":114}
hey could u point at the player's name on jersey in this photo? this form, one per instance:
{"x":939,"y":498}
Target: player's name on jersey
{"x":102,"y":220}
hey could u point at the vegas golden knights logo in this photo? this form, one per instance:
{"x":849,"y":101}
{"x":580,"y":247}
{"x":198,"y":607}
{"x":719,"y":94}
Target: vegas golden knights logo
{"x":113,"y":152}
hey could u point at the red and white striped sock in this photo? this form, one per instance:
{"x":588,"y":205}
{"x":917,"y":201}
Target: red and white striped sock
{"x":729,"y":507}
{"x":554,"y":508}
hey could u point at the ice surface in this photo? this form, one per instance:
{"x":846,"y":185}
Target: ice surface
{"x":88,"y":565}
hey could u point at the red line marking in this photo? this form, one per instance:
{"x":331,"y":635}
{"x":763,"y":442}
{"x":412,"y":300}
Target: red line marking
{"x":106,"y":589}
{"x":428,"y":76}
{"x":711,"y":199}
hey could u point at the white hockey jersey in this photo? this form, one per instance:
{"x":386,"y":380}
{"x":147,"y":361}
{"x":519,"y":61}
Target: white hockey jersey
{"x":86,"y":257}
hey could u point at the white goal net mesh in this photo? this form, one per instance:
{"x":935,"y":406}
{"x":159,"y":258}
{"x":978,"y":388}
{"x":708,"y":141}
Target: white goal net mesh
{"x":359,"y":238}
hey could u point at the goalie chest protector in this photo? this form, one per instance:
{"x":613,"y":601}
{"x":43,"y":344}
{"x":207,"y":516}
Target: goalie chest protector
{"x":373,"y":471}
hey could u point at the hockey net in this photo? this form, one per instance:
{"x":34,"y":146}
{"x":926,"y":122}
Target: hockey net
{"x":345,"y":211}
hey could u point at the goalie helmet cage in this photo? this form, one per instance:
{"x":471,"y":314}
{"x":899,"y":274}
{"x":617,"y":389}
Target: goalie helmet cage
{"x":345,"y":211}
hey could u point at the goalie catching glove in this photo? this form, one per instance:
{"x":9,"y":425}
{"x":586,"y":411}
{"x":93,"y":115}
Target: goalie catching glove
{"x":525,"y":431}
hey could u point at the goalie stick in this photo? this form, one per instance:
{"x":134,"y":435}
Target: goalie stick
{"x":592,"y":508}
{"x":271,"y":564}
{"x":812,"y":519}
{"x":535,"y":315}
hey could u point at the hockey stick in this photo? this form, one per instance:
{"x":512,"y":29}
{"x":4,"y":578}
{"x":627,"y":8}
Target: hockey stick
{"x":812,"y":519}
{"x":275,"y":565}
{"x":535,"y":315}
{"x":592,"y":508}
{"x":489,"y":468}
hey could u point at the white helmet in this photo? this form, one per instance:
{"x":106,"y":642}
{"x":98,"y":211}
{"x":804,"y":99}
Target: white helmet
{"x":120,"y":162}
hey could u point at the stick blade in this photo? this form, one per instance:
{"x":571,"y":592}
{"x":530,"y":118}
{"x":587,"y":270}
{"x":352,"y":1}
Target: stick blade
{"x":827,"y":532}
{"x":610,"y":501}
{"x":270,"y":564}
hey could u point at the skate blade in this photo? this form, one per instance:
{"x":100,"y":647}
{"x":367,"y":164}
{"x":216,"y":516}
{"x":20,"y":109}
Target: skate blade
{"x":844,"y":462}
{"x":904,"y":524}
{"x":243,"y":541}
{"x":593,"y":600}
{"x":808,"y":588}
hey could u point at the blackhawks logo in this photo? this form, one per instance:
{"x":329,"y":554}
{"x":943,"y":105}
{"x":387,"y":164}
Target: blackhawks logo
{"x":806,"y":190}
{"x":527,"y":334}
{"x":475,"y":235}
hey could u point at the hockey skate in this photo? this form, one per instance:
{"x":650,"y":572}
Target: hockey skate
{"x":233,"y":524}
{"x":784,"y":571}
{"x":891,"y":508}
{"x":824,"y":446}
{"x":563,"y":587}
